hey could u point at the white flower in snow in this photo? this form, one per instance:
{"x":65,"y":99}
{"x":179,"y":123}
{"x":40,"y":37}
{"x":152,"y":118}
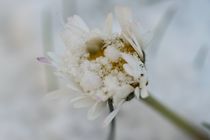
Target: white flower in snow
{"x":102,"y":65}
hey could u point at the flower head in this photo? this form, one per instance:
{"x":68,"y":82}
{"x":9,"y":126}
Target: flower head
{"x":101,"y":64}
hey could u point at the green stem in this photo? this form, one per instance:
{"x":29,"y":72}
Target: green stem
{"x":180,"y":122}
{"x":113,"y":123}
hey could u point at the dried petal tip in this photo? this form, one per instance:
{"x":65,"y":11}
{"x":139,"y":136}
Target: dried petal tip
{"x":43,"y":60}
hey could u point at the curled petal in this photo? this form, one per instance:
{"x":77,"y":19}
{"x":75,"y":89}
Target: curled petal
{"x":96,"y":110}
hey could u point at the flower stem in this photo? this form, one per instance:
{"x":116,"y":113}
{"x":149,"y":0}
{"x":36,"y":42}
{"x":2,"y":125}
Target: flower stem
{"x":113,"y":122}
{"x":180,"y":122}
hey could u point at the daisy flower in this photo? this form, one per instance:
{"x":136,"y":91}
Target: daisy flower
{"x":102,"y":65}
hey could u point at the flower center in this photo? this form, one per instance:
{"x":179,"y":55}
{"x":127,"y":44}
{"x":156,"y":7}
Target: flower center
{"x":111,"y":49}
{"x":95,"y":48}
{"x":118,"y":65}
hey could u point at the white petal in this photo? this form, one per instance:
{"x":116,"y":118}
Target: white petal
{"x":123,"y":15}
{"x":144,"y":93}
{"x":73,"y":85}
{"x":71,"y":82}
{"x":112,"y":115}
{"x":82,"y":102}
{"x":129,"y":59}
{"x":144,"y":37}
{"x":137,"y":92}
{"x":96,"y":110}
{"x":55,"y":59}
{"x":78,"y":22}
{"x":63,"y":93}
{"x":74,"y":88}
{"x":73,"y":36}
{"x":108,"y":24}
{"x":135,"y":65}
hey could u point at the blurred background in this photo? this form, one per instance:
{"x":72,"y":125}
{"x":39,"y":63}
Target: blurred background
{"x":178,"y":61}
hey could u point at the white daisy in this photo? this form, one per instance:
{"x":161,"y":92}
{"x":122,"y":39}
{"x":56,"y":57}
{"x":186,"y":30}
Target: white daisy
{"x":101,"y":65}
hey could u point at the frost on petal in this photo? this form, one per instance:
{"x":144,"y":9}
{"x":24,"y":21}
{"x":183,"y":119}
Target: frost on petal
{"x":108,"y":24}
{"x":76,"y":21}
{"x":111,"y":82}
{"x":44,"y":60}
{"x":129,"y":70}
{"x":96,"y":110}
{"x":112,"y":53}
{"x":82,"y":101}
{"x":144,"y":93}
{"x":133,"y":66}
{"x":130,"y":59}
{"x":112,"y":115}
{"x":75,"y":32}
{"x":73,"y":37}
{"x":90,"y":81}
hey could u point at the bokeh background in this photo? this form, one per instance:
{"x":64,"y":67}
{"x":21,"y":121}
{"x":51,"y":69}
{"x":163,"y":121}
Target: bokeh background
{"x":178,"y":61}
